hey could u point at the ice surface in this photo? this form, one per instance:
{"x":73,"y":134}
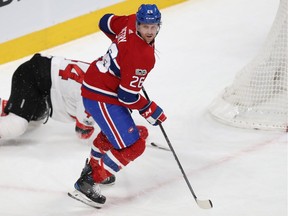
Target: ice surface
{"x":201,"y":46}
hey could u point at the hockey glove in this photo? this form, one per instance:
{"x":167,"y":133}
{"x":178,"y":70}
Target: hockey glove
{"x":83,"y":131}
{"x":153,"y":113}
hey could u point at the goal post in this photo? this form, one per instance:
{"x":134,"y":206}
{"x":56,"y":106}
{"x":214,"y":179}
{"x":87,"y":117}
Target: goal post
{"x":258,"y":96}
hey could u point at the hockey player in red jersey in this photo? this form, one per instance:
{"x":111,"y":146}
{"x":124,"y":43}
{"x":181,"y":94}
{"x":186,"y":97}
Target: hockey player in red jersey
{"x":110,"y":88}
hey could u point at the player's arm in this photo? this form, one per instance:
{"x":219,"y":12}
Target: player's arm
{"x":84,"y":126}
{"x":112,"y":25}
{"x":131,"y":98}
{"x":104,"y":25}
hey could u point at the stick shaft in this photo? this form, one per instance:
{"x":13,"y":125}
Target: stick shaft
{"x":174,"y":153}
{"x":204,"y":204}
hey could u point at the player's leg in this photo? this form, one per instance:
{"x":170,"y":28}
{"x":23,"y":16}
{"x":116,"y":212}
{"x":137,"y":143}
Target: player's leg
{"x":100,"y":146}
{"x":119,"y":134}
{"x":12,"y":125}
{"x":116,"y":146}
{"x":108,"y":163}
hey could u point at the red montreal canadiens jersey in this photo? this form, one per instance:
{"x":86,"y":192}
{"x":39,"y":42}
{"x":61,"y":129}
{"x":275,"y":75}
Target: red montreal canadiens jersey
{"x":118,"y":76}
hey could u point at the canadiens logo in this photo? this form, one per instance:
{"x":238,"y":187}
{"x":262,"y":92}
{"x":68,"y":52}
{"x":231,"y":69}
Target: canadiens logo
{"x":141,"y":72}
{"x":130,"y":130}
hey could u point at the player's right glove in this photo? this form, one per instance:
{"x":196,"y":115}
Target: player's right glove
{"x":153,"y":113}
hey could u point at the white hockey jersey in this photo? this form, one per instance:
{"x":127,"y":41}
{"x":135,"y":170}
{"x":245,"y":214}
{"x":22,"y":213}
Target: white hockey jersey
{"x":67,"y":76}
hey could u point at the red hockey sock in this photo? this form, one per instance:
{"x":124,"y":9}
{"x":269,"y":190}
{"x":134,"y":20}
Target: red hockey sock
{"x":98,"y":172}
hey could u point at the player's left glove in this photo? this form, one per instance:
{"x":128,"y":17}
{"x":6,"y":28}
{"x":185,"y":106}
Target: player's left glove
{"x":83,"y":131}
{"x":153,"y":113}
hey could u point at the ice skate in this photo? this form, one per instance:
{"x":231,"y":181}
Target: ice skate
{"x":88,"y":191}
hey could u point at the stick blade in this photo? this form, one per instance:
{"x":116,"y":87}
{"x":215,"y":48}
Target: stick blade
{"x":205,"y":204}
{"x":159,"y":147}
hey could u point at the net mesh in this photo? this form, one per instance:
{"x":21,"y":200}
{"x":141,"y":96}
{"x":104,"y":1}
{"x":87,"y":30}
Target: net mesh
{"x":258,"y":96}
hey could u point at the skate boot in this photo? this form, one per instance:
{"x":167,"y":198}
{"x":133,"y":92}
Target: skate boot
{"x":107,"y":182}
{"x":86,"y":190}
{"x":3,"y":103}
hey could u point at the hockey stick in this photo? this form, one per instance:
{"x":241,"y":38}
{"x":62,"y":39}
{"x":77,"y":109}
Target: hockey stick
{"x":204,"y":204}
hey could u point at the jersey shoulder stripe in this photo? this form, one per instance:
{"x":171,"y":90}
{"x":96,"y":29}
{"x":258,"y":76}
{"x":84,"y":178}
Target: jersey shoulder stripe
{"x":104,"y":24}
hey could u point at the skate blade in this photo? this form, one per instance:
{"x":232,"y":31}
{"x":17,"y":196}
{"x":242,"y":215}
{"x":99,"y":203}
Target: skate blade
{"x":77,"y":195}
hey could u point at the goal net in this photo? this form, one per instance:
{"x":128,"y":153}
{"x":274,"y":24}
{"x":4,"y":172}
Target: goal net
{"x":258,"y":96}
